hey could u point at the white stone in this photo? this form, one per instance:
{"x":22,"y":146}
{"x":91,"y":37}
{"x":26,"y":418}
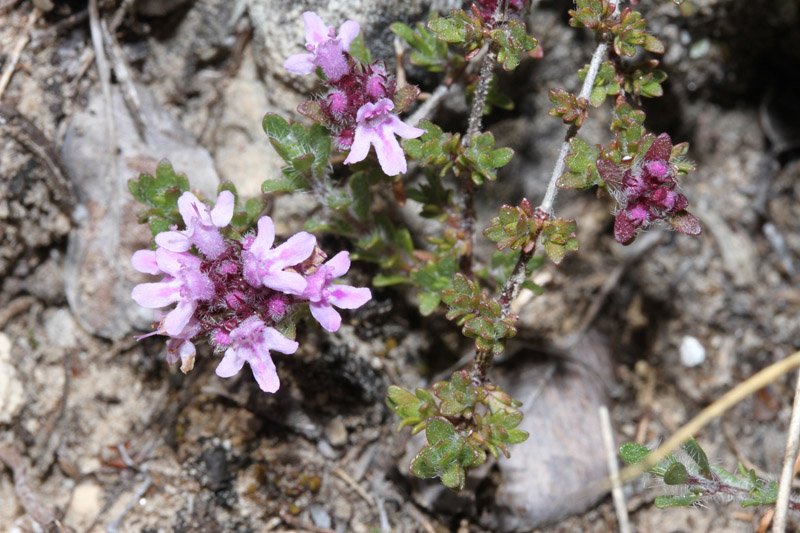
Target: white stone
{"x":692,"y":351}
{"x":11,"y":390}
{"x":87,"y":500}
{"x":60,"y":329}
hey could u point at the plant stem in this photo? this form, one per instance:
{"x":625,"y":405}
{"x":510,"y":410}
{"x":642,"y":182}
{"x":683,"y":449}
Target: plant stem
{"x":586,"y":91}
{"x":474,"y":128}
{"x":792,"y":444}
{"x":545,"y":209}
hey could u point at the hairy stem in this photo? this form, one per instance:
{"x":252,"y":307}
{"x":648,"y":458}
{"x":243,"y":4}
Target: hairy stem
{"x":474,"y":128}
{"x":545,"y":209}
{"x":717,"y":486}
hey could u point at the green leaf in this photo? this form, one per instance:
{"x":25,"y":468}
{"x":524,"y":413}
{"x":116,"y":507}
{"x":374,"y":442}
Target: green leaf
{"x":439,"y":430}
{"x":763,"y":493}
{"x":593,"y":14}
{"x":481,"y":159}
{"x":383,"y":280}
{"x":306,"y":150}
{"x":433,"y":196}
{"x":687,"y":500}
{"x":632,"y":453}
{"x":581,"y":172}
{"x":559,"y":238}
{"x":696,"y":453}
{"x":160,"y":193}
{"x":676,"y":474}
{"x":287,"y":184}
{"x":427,"y":50}
{"x":359,"y":50}
{"x":423,"y":465}
{"x":570,"y":108}
{"x":454,"y":477}
{"x":428,"y":302}
{"x":513,"y":43}
{"x":452,"y":29}
{"x":605,"y":84}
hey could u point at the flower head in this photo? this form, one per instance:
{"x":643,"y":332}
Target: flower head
{"x":202,"y":225}
{"x":323,"y":295}
{"x":184,"y":283}
{"x":377,"y":126}
{"x":264,"y":265}
{"x":326,"y":48}
{"x":648,"y":192}
{"x":251,"y":343}
{"x":487,"y":8}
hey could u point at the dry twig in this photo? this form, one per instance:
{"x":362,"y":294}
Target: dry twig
{"x":15,"y":307}
{"x":789,"y":458}
{"x":613,"y":469}
{"x":32,"y":138}
{"x":16,"y":53}
{"x":19,"y":467}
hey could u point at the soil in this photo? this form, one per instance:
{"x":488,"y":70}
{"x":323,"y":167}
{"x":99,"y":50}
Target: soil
{"x":97,"y":432}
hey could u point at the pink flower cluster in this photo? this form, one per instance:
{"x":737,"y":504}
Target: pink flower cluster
{"x":359,"y":102}
{"x":648,"y":192}
{"x":237,"y":293}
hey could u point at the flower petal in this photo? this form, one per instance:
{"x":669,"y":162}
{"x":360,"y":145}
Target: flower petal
{"x":360,"y":147}
{"x":347,"y":32}
{"x":230,"y":365}
{"x":294,"y":251}
{"x":174,"y":241}
{"x":274,"y":340}
{"x":339,"y":264}
{"x":327,"y":316}
{"x":264,"y":371}
{"x":390,"y":155}
{"x":155,"y":295}
{"x":145,"y":261}
{"x":187,"y":352}
{"x":264,"y":238}
{"x":222,"y":213}
{"x":316,"y":29}
{"x":406,"y":131}
{"x":190,"y":208}
{"x":285,"y":282}
{"x":178,"y":318}
{"x":301,"y":64}
{"x":347,"y":297}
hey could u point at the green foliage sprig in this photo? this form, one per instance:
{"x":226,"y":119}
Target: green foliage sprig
{"x":463,"y":423}
{"x":698,"y":479}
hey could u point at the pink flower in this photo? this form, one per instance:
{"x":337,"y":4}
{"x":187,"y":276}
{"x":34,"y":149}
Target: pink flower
{"x":377,"y":126}
{"x":325,"y":48}
{"x":183,"y":284}
{"x":265,"y":266}
{"x":181,"y":348}
{"x":202,"y":225}
{"x":251,"y":343}
{"x":323,"y":295}
{"x":648,"y":193}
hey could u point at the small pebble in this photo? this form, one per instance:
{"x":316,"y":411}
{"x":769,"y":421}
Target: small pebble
{"x":692,"y":352}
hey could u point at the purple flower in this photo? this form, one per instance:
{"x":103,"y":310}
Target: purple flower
{"x":325,"y":48}
{"x":377,"y":126}
{"x":323,"y":295}
{"x":202,"y":225}
{"x":183,"y":284}
{"x":647,"y":192}
{"x":265,"y":266}
{"x":251,"y":343}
